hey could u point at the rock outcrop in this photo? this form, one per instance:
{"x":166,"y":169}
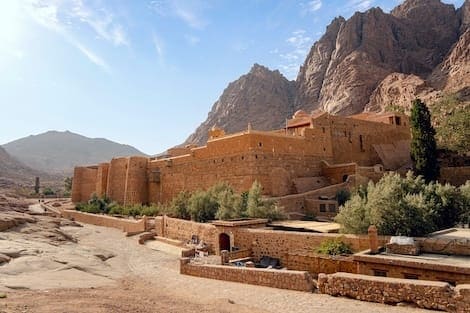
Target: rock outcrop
{"x":413,"y":39}
{"x":263,"y":98}
{"x":368,"y":62}
{"x":397,"y":91}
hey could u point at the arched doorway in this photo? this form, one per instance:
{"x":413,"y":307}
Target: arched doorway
{"x":224,"y":242}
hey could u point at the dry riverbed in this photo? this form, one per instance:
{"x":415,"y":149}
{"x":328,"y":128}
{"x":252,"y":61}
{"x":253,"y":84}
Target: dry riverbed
{"x":54,"y":265}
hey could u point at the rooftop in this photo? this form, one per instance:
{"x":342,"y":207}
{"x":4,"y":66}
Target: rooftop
{"x":313,"y":226}
{"x":448,"y":263}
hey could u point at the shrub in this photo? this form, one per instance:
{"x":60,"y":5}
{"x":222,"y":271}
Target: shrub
{"x":334,"y":246}
{"x":403,"y":206}
{"x":48,"y":192}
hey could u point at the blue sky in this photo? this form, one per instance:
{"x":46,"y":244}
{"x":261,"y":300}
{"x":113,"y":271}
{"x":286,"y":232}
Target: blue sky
{"x":144,"y":72}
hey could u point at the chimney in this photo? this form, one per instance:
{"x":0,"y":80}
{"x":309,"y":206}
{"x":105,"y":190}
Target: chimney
{"x":373,"y":239}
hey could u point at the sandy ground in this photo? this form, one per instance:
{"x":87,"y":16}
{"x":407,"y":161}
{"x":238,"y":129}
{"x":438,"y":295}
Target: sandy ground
{"x":58,"y":267}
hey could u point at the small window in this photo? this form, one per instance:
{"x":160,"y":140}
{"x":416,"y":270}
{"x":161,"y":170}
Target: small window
{"x":260,"y":144}
{"x":332,"y":207}
{"x":410,"y":276}
{"x":323,"y":129}
{"x":390,"y":120}
{"x":380,"y":273}
{"x":322,"y":207}
{"x":243,"y":158}
{"x":256,"y":156}
{"x":361,"y":143}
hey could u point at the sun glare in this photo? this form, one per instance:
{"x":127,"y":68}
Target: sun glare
{"x":10,"y":24}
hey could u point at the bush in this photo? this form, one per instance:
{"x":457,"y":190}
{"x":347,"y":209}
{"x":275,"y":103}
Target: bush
{"x":259,"y":208}
{"x":404,"y":206}
{"x":334,"y":246}
{"x":48,"y":192}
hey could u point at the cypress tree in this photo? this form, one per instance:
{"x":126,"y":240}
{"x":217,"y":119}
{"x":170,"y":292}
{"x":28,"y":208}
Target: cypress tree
{"x":423,"y":143}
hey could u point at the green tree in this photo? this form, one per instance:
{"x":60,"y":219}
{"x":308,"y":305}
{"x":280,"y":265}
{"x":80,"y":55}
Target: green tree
{"x":259,"y":208}
{"x":423,"y":143}
{"x":68,"y":183}
{"x":404,"y":206}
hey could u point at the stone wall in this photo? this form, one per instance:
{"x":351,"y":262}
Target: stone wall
{"x":449,"y":246}
{"x":338,"y":173}
{"x":283,"y":279}
{"x":136,"y":181}
{"x":117,"y":175}
{"x":354,"y":139}
{"x":297,"y":203}
{"x":84,"y":183}
{"x":184,"y":230}
{"x":454,"y":175}
{"x":102,"y":179}
{"x":126,"y":225}
{"x":425,"y":294}
{"x":279,"y":243}
{"x":412,"y":267}
{"x":316,"y":263}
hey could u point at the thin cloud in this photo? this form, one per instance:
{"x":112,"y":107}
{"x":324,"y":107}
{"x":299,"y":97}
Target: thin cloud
{"x":47,"y":15}
{"x":159,"y":47}
{"x":298,"y":45}
{"x":313,"y":6}
{"x":190,"y":12}
{"x":359,"y":5}
{"x":101,"y":21}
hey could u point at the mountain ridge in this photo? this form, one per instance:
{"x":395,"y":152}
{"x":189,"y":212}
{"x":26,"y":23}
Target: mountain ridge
{"x":359,"y":64}
{"x":59,"y":152}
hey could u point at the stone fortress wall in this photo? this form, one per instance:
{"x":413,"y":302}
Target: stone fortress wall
{"x":285,"y":162}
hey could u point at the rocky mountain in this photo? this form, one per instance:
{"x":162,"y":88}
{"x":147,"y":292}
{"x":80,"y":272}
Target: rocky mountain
{"x":58,"y":152}
{"x":370,"y":62}
{"x":14,"y":173}
{"x":262,"y":97}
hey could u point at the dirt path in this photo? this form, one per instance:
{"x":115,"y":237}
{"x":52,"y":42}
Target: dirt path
{"x":119,"y":275}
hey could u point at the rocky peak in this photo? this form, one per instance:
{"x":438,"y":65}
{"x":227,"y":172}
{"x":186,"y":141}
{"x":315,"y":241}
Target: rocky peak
{"x":464,"y":15}
{"x":248,"y":100}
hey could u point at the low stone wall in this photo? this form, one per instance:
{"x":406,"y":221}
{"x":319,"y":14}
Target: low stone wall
{"x":316,"y":263}
{"x":425,"y":294}
{"x":128,"y":226}
{"x":239,"y":254}
{"x":451,"y":246}
{"x":183,"y":230}
{"x":278,"y":244}
{"x":293,"y":280}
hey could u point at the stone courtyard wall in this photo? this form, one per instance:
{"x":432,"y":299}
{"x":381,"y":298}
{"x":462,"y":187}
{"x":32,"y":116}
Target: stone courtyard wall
{"x":283,"y":279}
{"x":425,"y":294}
{"x":126,"y":225}
{"x":279,"y":243}
{"x":183,"y":230}
{"x":316,"y":263}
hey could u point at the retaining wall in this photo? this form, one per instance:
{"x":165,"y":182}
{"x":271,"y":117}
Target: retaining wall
{"x":425,"y":294}
{"x":125,"y":225}
{"x":316,"y":263}
{"x":293,"y":280}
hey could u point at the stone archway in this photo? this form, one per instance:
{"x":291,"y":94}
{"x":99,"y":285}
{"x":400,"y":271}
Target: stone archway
{"x":224,"y":242}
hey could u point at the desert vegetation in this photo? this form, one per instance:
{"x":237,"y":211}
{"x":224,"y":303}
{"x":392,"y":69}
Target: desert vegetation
{"x":405,"y":206}
{"x":218,"y":202}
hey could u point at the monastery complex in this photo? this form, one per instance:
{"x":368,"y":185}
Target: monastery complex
{"x":313,"y":151}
